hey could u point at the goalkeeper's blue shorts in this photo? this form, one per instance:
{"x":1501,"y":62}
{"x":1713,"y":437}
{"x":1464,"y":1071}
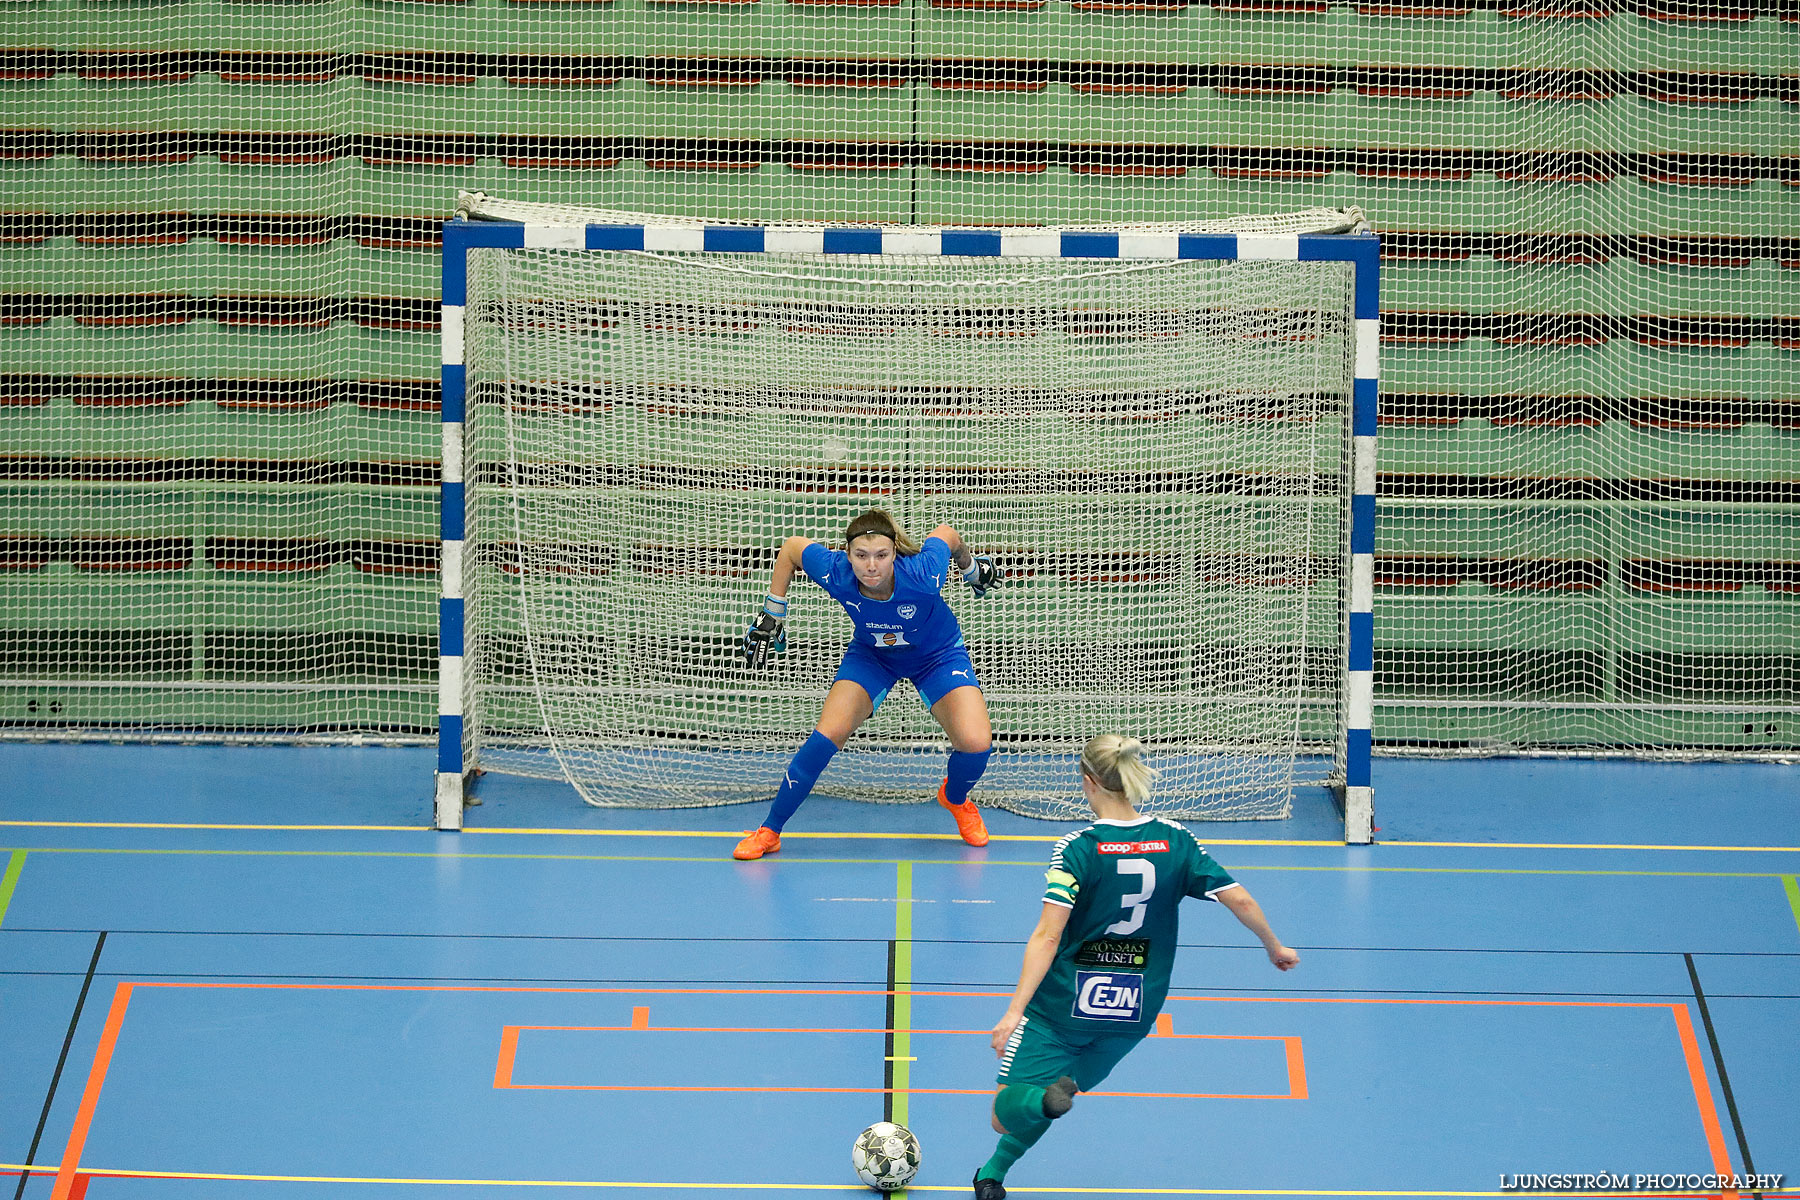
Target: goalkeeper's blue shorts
{"x":877,"y":671}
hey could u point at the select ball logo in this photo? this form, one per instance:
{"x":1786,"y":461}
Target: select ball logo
{"x":886,"y":1156}
{"x":1109,"y":995}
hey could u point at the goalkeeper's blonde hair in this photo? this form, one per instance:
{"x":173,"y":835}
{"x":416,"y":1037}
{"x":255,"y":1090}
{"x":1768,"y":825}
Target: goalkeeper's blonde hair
{"x":1116,"y":763}
{"x":879,"y":521}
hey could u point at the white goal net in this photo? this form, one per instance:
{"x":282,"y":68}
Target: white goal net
{"x":1155,"y":452}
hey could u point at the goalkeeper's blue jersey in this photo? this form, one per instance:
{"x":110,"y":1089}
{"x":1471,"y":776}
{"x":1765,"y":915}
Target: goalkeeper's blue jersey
{"x":911,"y":625}
{"x":1124,"y":883}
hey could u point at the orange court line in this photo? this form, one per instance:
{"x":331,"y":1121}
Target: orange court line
{"x":1296,"y":1065}
{"x":646,"y":1028}
{"x":640,"y":1023}
{"x":870,"y":1091}
{"x":63,"y":1189}
{"x":555,"y":991}
{"x":1709,"y":1115}
{"x":1381,"y":1000}
{"x":914,"y":992}
{"x":69,"y":1172}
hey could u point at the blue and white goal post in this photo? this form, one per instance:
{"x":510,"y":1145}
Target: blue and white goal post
{"x":671,"y":237}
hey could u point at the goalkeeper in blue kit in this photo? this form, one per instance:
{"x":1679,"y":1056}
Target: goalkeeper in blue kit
{"x":891,"y":589}
{"x":1097,"y":966}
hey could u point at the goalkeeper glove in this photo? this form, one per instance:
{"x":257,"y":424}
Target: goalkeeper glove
{"x":982,"y":576}
{"x":767,"y":633}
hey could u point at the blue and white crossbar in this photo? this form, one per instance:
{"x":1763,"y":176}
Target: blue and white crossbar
{"x":1361,"y":250}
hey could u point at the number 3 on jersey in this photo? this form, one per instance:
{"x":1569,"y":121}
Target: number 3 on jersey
{"x":1136,"y":903}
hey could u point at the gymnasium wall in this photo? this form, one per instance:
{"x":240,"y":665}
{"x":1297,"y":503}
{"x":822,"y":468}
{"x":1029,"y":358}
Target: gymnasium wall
{"x":218,"y":342}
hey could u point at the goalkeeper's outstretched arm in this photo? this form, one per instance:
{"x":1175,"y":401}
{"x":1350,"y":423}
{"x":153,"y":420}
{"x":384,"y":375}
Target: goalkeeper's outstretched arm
{"x":978,"y":570}
{"x":767,"y":634}
{"x":787,"y":561}
{"x":959,"y":551}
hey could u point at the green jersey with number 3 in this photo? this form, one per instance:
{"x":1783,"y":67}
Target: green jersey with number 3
{"x":1123,"y":882}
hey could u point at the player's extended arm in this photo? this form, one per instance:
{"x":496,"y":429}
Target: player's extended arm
{"x":978,"y":570}
{"x":959,"y":552}
{"x":1040,"y":952}
{"x":768,"y":629}
{"x":1244,"y":907}
{"x":787,"y":561}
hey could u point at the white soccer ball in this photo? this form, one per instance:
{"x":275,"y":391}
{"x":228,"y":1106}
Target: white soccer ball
{"x":886,"y":1156}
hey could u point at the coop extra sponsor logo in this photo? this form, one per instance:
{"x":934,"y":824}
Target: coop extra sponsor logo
{"x":1134,"y":847}
{"x":1109,"y":995}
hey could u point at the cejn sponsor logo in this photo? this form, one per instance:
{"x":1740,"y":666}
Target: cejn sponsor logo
{"x":1134,"y":847}
{"x":1109,"y":995}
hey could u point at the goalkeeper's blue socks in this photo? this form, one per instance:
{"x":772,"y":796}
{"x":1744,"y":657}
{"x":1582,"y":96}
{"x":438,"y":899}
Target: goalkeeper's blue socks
{"x":797,"y":781}
{"x":1026,"y":1111}
{"x":964,"y":769}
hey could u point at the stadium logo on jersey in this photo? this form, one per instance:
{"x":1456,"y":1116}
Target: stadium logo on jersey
{"x":907,"y":611}
{"x":1133,"y":847}
{"x":1109,"y":995}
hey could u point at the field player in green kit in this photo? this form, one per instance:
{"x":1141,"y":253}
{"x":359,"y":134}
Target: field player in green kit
{"x":1097,"y":966}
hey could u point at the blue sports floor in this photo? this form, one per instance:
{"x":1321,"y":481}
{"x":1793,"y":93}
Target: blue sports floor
{"x":257,"y":973}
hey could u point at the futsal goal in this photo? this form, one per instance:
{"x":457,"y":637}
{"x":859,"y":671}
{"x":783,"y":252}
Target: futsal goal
{"x":1163,"y":434}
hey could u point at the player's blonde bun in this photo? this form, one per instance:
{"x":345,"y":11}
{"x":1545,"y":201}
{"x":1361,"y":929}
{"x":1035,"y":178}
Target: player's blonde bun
{"x":1115,"y":762}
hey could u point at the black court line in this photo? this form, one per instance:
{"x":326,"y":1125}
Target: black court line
{"x":1718,"y":1055}
{"x":887,"y":1064}
{"x":987,"y":987}
{"x":62,"y":1059}
{"x":1012,"y":943}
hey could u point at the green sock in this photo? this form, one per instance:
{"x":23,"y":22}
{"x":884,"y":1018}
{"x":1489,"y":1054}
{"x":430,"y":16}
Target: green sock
{"x":1020,"y":1107}
{"x":1005,"y":1155}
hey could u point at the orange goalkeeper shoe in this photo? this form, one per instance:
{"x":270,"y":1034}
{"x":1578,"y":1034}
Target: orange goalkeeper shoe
{"x":763,"y":841}
{"x":968,"y":819}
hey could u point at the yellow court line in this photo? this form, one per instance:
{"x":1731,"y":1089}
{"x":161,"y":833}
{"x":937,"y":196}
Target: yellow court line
{"x":210,"y":825}
{"x":1592,"y":846}
{"x":863,"y":835}
{"x":831,"y":1187}
{"x":1241,"y":868}
{"x":733,"y":834}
